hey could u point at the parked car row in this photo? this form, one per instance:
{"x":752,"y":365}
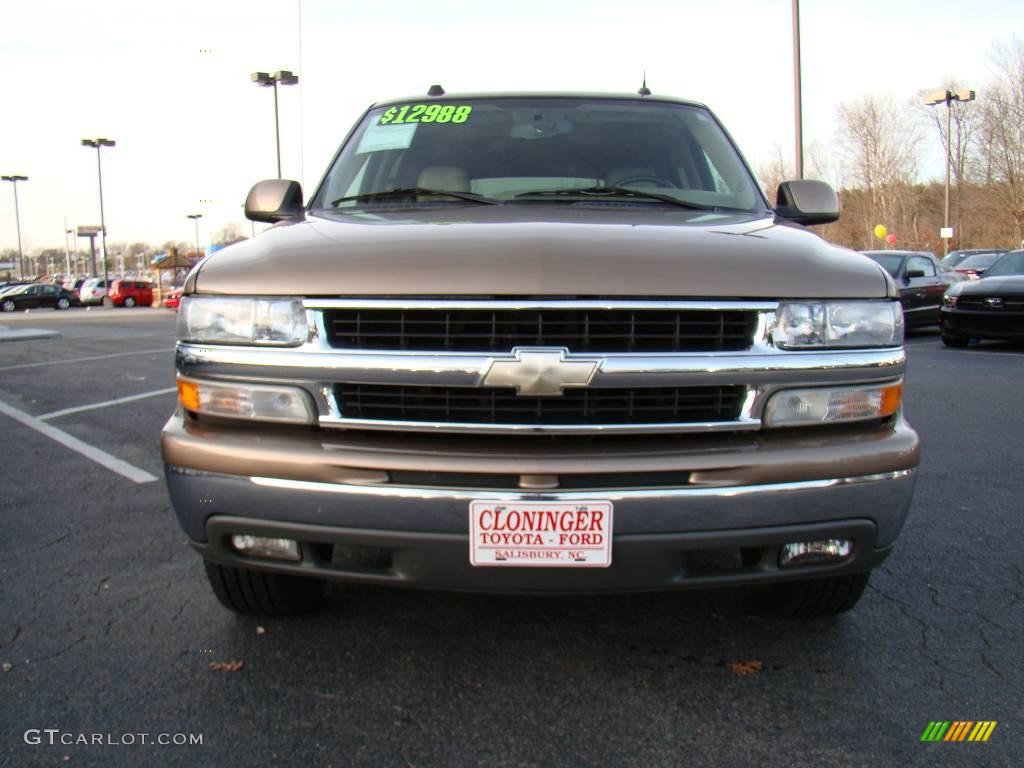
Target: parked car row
{"x":35,"y":295}
{"x":969,"y":294}
{"x":121,"y":293}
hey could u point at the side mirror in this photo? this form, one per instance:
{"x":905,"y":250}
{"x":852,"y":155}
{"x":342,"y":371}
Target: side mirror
{"x":807,"y":202}
{"x":274,"y":200}
{"x":912,"y":273}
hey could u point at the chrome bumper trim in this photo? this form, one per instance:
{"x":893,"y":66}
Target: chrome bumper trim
{"x":608,"y":494}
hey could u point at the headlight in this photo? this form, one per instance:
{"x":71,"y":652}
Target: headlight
{"x":951,"y":295}
{"x":221,"y":320}
{"x":816,"y":325}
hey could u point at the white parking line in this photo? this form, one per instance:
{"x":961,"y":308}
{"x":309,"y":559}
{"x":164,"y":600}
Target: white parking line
{"x":85,"y":359}
{"x":106,"y":403}
{"x":90,"y":452}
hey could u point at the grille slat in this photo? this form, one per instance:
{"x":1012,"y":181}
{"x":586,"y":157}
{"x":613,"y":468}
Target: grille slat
{"x":581,"y":330}
{"x":656,"y":405}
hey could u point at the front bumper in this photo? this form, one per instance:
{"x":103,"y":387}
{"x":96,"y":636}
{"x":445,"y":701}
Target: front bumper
{"x":1005,"y":325}
{"x":745,"y":497}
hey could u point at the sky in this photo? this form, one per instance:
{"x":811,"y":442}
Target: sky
{"x":170,"y":83}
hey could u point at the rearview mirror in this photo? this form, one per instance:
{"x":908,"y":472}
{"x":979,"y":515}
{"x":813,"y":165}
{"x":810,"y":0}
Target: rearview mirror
{"x":807,"y":202}
{"x":274,"y":200}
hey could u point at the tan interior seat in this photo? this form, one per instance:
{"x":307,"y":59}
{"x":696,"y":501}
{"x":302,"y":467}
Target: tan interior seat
{"x":447,"y":177}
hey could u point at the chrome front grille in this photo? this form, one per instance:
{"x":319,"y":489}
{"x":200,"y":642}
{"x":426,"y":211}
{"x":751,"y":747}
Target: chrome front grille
{"x":580,"y":407}
{"x":471,"y":391}
{"x":580,"y":329}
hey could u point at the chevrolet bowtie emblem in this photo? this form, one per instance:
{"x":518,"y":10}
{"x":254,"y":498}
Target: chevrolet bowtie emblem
{"x":542,"y":372}
{"x":994,"y":301}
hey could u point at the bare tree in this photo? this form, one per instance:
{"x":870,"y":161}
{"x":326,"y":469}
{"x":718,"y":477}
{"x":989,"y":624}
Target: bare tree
{"x":1002,"y":133}
{"x":878,"y":144}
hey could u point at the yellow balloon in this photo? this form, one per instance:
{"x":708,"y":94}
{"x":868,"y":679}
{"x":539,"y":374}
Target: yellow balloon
{"x":881,"y":231}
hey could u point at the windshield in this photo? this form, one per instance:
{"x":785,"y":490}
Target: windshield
{"x":1010,"y":264}
{"x":521,"y":150}
{"x":888,"y":261}
{"x":979,"y":261}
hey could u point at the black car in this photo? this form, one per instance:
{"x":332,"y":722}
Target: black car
{"x":989,"y":308}
{"x":921,"y":282}
{"x":36,"y":295}
{"x":953,"y":259}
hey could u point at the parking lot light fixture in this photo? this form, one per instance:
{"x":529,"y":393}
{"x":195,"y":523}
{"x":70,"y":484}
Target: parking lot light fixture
{"x":265,"y":80}
{"x":195,"y":220}
{"x":99,"y":143}
{"x":17,"y":219}
{"x":947,"y":97}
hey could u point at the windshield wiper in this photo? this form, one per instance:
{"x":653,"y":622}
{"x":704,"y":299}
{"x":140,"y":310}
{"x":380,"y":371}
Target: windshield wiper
{"x":415,"y":192}
{"x":617,"y":192}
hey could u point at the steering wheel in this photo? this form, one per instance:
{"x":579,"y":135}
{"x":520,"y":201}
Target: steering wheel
{"x":640,"y":178}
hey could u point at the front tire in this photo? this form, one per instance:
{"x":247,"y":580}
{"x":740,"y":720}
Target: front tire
{"x":8,"y":306}
{"x":816,"y":598}
{"x":258,"y":593}
{"x":63,"y":303}
{"x":129,"y":302}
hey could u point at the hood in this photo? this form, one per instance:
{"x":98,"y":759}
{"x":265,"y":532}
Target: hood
{"x":988,"y":286}
{"x":541,"y":250}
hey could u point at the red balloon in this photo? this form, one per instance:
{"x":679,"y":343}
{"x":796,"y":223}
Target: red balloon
{"x":890,"y":239}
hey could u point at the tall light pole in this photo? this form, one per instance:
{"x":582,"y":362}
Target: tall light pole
{"x":947,"y":97}
{"x":195,"y":220}
{"x":797,"y":94}
{"x":282,"y":77}
{"x":17,"y":219}
{"x":99,"y":144}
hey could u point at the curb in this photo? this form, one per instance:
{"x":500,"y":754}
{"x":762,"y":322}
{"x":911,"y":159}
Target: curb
{"x":25,"y":334}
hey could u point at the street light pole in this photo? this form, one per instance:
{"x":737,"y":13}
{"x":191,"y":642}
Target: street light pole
{"x":98,"y":144}
{"x":947,"y":97}
{"x":195,"y":220}
{"x":17,"y":219}
{"x":798,"y":93}
{"x":264,"y":80}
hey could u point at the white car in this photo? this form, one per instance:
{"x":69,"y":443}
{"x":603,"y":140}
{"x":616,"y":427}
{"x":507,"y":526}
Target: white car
{"x":93,"y":291}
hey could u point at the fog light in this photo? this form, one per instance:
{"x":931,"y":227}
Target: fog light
{"x":262,"y":546}
{"x":806,"y":552}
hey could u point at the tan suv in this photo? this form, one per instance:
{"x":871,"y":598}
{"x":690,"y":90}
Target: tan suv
{"x":540,"y":343}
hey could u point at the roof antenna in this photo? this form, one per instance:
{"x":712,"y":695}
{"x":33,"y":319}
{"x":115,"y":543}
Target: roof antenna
{"x":644,"y":90}
{"x":435,"y":90}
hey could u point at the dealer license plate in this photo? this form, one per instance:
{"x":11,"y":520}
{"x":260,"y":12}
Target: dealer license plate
{"x":540,"y":534}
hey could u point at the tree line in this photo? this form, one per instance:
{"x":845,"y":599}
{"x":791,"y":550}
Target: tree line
{"x":876,"y":161}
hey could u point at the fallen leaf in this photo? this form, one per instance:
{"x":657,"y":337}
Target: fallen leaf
{"x":261,"y":631}
{"x":226,"y":666}
{"x":7,"y":667}
{"x":743,"y":668}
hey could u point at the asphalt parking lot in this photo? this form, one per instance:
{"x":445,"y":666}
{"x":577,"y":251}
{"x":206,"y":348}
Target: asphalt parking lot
{"x":108,"y":626}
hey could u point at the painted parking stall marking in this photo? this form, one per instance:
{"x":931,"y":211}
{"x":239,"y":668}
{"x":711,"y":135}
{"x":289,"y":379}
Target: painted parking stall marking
{"x":106,"y":403}
{"x":540,"y":534}
{"x":101,"y":457}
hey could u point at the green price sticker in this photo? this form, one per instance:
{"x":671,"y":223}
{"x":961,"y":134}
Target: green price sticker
{"x":426,"y":113}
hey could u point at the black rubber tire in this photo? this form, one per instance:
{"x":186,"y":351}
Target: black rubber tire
{"x":8,"y":306}
{"x":959,"y":342}
{"x":815,"y":598}
{"x":129,"y":302}
{"x":62,"y":303}
{"x":258,"y":593}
